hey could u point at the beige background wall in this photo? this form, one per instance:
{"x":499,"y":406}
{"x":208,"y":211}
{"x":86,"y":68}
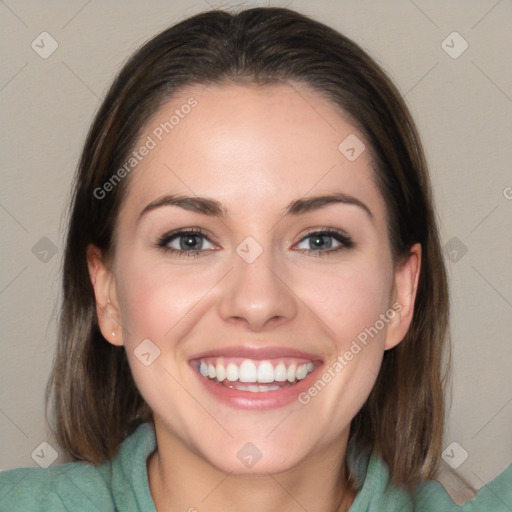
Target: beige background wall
{"x":463,"y":107}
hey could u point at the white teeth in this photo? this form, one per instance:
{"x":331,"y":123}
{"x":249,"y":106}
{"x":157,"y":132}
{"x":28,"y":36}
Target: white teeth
{"x":301,"y":372}
{"x":268,"y":388}
{"x":253,"y":388}
{"x":251,"y":372}
{"x":280,"y":373}
{"x":248,"y":372}
{"x":221,"y":372}
{"x":203,"y":369}
{"x":291,"y":372}
{"x":232,"y":372}
{"x":265,"y":372}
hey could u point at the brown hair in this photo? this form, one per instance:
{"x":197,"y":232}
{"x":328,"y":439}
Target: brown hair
{"x":96,"y":402}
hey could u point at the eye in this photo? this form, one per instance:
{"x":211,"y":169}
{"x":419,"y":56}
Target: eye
{"x":189,"y":242}
{"x":321,"y":239}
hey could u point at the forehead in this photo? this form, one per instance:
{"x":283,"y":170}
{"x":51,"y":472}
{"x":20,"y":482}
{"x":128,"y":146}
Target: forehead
{"x":250,"y":147}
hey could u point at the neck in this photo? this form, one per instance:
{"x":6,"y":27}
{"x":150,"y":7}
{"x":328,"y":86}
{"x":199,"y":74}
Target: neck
{"x":180,"y":480}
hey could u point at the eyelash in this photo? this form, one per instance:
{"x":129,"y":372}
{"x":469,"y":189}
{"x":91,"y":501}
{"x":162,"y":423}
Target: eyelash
{"x":345,"y":241}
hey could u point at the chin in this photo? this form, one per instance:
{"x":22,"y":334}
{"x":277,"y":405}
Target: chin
{"x":249,"y":460}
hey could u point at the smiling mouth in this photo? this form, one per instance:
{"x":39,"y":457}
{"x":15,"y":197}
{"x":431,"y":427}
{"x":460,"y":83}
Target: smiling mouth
{"x":256,"y":376}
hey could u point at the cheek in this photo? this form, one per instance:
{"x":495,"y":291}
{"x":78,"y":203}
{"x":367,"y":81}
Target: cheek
{"x":154,"y":299}
{"x":157,"y":303}
{"x":347,"y":298}
{"x":357,"y":297}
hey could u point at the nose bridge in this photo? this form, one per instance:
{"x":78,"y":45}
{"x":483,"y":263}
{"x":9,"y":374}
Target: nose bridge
{"x":255,"y":291}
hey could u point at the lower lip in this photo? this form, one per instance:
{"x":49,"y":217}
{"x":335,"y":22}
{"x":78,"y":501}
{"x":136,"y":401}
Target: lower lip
{"x":258,"y":400}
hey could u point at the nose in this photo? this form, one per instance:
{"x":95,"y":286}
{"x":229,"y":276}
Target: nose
{"x":257,"y":293}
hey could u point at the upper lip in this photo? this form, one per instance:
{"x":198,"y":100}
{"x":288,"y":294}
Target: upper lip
{"x":256,"y":353}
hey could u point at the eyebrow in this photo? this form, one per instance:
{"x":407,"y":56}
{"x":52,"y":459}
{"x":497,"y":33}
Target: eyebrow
{"x":214,"y":208}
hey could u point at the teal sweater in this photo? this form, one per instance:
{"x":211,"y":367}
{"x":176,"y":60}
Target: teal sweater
{"x":122,"y":485}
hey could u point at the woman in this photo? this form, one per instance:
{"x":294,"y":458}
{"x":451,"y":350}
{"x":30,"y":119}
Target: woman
{"x":255,"y":302}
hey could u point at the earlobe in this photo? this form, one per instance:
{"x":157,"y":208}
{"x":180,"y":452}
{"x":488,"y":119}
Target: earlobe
{"x":407,"y":276}
{"x":107,"y":308}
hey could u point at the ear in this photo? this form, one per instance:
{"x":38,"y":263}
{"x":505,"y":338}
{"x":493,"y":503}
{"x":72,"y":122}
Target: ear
{"x":407,"y":275}
{"x":107,"y":305}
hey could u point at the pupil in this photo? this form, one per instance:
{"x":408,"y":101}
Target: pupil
{"x":318,"y":238}
{"x":188,"y":238}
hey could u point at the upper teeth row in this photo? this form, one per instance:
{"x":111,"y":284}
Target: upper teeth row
{"x":248,"y":372}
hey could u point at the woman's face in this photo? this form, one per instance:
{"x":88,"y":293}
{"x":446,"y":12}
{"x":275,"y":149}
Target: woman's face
{"x":291,"y":308}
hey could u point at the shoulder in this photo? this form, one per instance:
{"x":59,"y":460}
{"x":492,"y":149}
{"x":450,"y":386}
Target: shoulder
{"x":119,"y":484}
{"x":377,"y":494}
{"x":496,"y":495}
{"x":38,"y":489}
